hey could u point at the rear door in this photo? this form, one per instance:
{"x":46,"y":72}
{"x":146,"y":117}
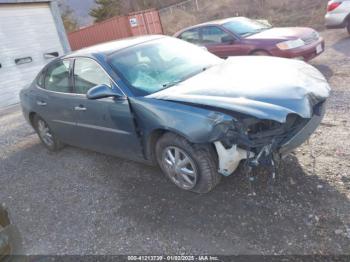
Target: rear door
{"x":105,"y":125}
{"x":54,"y":100}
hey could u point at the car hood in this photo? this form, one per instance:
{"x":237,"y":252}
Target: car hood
{"x":283,"y":33}
{"x":263,"y":87}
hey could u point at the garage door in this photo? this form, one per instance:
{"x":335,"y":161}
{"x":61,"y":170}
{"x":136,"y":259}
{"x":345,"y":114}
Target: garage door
{"x":27,"y":34}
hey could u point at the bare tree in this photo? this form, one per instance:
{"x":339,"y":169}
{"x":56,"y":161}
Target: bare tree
{"x":106,"y":9}
{"x":68,"y":17}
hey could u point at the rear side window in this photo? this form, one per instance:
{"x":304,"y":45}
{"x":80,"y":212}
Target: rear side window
{"x":40,"y":81}
{"x":191,"y":36}
{"x":88,"y":74}
{"x":57,"y":77}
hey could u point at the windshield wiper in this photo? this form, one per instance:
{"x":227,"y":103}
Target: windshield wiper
{"x":172,"y":83}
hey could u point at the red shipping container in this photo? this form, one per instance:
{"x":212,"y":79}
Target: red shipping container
{"x":138,"y":23}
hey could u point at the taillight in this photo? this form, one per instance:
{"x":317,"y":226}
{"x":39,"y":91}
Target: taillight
{"x":332,"y":6}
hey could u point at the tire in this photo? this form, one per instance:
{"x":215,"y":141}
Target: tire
{"x":49,"y":140}
{"x":196,"y":162}
{"x":348,"y":26}
{"x":260,"y":53}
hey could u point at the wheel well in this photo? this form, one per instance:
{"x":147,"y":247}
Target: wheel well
{"x":150,"y":150}
{"x":150,"y":144}
{"x":31,"y":118}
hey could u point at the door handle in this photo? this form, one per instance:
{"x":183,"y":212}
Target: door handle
{"x":80,"y":108}
{"x":41,"y":103}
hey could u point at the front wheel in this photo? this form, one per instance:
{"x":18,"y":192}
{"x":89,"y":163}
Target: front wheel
{"x":189,"y":166}
{"x":45,"y":134}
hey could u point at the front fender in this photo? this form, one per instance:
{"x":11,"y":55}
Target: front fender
{"x":197,"y":125}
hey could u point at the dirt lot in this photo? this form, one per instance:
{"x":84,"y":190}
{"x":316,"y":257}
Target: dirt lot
{"x":80,"y":202}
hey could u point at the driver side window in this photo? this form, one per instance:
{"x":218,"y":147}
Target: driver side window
{"x":88,"y":74}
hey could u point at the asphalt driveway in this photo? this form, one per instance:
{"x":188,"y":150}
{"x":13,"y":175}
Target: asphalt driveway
{"x":81,"y":202}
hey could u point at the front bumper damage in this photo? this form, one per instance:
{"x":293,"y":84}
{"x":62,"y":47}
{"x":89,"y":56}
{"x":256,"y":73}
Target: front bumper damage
{"x":229,"y":159}
{"x":269,"y":149}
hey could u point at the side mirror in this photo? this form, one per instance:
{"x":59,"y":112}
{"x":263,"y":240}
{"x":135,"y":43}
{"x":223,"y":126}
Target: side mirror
{"x":102,"y":91}
{"x":228,"y":39}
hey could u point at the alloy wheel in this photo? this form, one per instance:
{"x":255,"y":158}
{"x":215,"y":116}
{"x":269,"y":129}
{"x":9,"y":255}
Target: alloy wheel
{"x":180,"y":167}
{"x":45,"y":133}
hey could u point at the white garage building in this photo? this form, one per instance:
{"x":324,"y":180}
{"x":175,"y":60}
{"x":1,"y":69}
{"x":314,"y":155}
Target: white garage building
{"x":31,"y":35}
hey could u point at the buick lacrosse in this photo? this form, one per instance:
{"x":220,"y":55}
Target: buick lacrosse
{"x":166,"y":102}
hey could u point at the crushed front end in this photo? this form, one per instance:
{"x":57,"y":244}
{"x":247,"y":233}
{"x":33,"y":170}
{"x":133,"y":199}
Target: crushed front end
{"x":264,"y":142}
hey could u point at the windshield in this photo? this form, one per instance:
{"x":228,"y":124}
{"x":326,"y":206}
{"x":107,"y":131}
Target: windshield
{"x":156,"y":65}
{"x":245,"y":27}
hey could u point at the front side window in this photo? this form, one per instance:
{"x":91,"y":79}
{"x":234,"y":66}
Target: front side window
{"x":159,"y":64}
{"x":213,"y":35}
{"x":88,"y":74}
{"x":57,"y":77}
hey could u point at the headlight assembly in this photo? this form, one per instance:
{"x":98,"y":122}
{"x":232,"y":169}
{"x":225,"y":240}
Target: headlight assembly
{"x":291,"y":44}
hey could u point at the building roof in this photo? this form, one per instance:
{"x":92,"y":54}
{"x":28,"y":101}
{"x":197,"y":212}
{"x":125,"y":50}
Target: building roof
{"x":23,"y":1}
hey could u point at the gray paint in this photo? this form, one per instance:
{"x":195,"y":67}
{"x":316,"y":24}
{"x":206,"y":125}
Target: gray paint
{"x":137,"y":120}
{"x":267,"y":88}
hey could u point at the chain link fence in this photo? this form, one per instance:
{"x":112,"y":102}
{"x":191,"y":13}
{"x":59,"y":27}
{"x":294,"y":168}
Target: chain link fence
{"x":193,"y":5}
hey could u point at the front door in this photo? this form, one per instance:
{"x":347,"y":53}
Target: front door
{"x":105,"y":125}
{"x":54,"y":100}
{"x":219,"y":42}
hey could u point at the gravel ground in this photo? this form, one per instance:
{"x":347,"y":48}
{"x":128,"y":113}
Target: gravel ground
{"x":80,"y":202}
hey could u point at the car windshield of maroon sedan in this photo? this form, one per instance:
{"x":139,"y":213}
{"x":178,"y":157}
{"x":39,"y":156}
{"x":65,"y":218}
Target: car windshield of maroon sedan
{"x":160,"y":64}
{"x":245,"y":27}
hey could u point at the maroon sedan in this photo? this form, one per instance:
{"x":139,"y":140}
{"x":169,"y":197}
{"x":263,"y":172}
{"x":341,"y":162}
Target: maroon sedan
{"x":243,"y":36}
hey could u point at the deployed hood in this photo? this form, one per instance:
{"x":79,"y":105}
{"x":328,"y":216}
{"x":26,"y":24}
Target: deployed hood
{"x":283,"y":33}
{"x":263,"y":87}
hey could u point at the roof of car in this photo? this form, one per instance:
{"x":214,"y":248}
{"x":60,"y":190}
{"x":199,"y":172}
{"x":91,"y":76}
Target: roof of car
{"x":214,"y":22}
{"x":223,"y":21}
{"x":114,"y":46}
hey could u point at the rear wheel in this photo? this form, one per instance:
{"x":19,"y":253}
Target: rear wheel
{"x":45,"y":134}
{"x":189,"y":166}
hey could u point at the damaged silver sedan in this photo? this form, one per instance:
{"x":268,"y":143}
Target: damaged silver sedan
{"x":163,"y":101}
